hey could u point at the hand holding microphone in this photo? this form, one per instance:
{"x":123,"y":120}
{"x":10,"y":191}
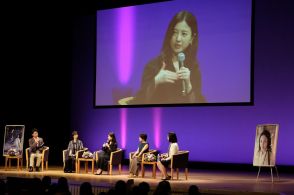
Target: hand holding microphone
{"x":184,"y":74}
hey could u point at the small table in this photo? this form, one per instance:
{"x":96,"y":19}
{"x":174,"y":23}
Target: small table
{"x":86,"y":160}
{"x":153,"y":168}
{"x":19,"y":161}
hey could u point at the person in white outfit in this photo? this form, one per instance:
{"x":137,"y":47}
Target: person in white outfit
{"x":164,"y":160}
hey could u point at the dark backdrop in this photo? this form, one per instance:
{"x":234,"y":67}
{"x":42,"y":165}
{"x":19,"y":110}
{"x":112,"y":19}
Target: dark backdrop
{"x":47,"y":82}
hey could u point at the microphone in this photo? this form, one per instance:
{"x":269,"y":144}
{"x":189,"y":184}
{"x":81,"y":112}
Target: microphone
{"x":181,"y":58}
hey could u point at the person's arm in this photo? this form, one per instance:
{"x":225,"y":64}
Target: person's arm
{"x":32,"y":144}
{"x":81,"y":145}
{"x":41,"y":142}
{"x":143,"y":150}
{"x":135,"y":154}
{"x":112,"y":146}
{"x":70,"y":148}
{"x":173,"y":150}
{"x":148,"y":85}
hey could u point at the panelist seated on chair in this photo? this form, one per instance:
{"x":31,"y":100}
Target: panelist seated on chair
{"x":36,"y":144}
{"x":104,"y":156}
{"x":136,"y":158}
{"x":164,"y":160}
{"x":73,"y":147}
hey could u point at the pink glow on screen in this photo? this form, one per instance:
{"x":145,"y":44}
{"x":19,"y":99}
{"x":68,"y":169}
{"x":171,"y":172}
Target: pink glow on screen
{"x":157,"y":126}
{"x":125,"y":33}
{"x":123,"y":126}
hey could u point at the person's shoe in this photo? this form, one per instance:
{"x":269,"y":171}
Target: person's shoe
{"x":30,"y":169}
{"x":166,"y":178}
{"x":37,"y":169}
{"x":131,"y":175}
{"x":99,"y":172}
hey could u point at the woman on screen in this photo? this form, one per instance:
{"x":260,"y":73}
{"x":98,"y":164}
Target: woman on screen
{"x":174,"y":76}
{"x":264,"y":154}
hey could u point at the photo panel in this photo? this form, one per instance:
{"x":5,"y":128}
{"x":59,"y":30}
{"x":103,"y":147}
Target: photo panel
{"x":13,"y":140}
{"x":265,"y":145}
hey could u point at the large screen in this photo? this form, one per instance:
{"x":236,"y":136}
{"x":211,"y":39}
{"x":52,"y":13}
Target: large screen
{"x":174,"y":53}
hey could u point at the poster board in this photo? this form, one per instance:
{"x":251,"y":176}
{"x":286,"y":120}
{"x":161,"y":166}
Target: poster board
{"x":13,"y":140}
{"x":265,"y":149}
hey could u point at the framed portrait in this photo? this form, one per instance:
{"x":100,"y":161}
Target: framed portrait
{"x":265,"y":145}
{"x":13,"y":140}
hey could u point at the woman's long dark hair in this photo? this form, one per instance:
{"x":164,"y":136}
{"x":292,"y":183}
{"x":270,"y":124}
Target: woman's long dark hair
{"x":112,"y":135}
{"x":172,"y":137}
{"x":191,"y":50}
{"x":267,"y":134}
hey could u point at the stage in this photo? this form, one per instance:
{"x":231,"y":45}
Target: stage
{"x":209,"y":182}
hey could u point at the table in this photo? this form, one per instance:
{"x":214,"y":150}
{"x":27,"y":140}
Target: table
{"x":86,"y":160}
{"x":153,"y":168}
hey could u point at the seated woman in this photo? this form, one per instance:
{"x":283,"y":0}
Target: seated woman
{"x":164,"y":160}
{"x":73,"y":146}
{"x":137,"y":156}
{"x":104,"y":155}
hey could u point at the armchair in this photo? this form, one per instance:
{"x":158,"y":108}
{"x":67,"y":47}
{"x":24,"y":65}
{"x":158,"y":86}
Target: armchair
{"x":180,"y":160}
{"x":115,"y":160}
{"x":44,"y":157}
{"x":65,"y":154}
{"x":143,"y":162}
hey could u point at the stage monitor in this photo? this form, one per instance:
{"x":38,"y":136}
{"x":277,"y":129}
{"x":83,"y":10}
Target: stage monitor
{"x":180,"y":52}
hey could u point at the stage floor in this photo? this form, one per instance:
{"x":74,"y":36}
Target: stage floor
{"x":209,"y":182}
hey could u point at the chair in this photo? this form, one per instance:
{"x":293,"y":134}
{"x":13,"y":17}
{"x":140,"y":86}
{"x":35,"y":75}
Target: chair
{"x":79,"y":154}
{"x":115,"y":160}
{"x":44,"y":157}
{"x":18,"y":163}
{"x":178,"y":161}
{"x":143,"y":162}
{"x":125,"y":101}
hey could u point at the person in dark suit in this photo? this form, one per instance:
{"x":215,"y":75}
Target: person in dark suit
{"x":36,"y":144}
{"x":104,"y":155}
{"x":73,"y":146}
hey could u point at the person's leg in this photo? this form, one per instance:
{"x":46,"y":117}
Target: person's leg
{"x":133,"y":167}
{"x":136,"y":166}
{"x":32,"y":161}
{"x":39,"y":157}
{"x":162,"y":168}
{"x":73,"y":163}
{"x":105,"y":161}
{"x":99,"y":163}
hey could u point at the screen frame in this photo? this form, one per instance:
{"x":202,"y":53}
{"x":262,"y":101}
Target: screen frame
{"x":104,"y":5}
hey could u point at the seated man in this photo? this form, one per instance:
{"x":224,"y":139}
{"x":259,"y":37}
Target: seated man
{"x":36,"y":146}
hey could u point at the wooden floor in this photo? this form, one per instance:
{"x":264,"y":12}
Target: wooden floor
{"x":209,"y":182}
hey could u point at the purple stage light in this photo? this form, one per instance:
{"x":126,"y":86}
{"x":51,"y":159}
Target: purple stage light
{"x":123,"y":126}
{"x":125,"y":35}
{"x":157,"y":126}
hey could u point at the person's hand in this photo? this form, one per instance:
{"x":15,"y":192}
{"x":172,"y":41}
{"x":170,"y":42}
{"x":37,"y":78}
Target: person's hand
{"x":184,"y":74}
{"x":165,"y":76}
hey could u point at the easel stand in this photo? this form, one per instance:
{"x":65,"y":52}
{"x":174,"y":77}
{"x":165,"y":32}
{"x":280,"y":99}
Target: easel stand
{"x":271,"y":167}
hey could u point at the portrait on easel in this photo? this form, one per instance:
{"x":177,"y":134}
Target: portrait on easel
{"x":265,"y":145}
{"x":13,"y":140}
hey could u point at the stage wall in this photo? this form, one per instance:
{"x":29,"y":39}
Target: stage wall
{"x":215,"y":133}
